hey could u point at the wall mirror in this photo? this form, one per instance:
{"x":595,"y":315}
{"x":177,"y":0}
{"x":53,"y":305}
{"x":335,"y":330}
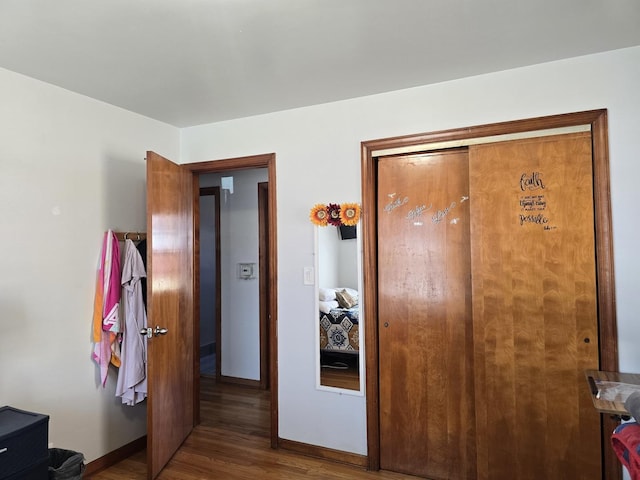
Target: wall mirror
{"x":339,"y":328}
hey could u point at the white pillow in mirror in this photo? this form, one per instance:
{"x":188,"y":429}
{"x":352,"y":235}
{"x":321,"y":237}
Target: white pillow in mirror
{"x":326,"y":294}
{"x":326,"y":307}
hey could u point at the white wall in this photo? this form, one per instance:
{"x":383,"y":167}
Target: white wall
{"x":328,"y":254}
{"x":337,"y":259}
{"x":70,"y":168}
{"x":318,"y":157}
{"x":348,"y":255}
{"x":240,"y":312}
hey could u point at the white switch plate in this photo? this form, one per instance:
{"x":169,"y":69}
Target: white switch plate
{"x":309,"y":277}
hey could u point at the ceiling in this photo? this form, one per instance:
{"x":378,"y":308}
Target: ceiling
{"x":188,"y":62}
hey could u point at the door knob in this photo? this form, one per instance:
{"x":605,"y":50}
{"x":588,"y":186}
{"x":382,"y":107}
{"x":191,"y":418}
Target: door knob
{"x":150,"y":332}
{"x":160,"y":330}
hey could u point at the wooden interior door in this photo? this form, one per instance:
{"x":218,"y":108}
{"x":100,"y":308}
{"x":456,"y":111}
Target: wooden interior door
{"x":534,"y":308}
{"x":209,"y":254}
{"x":170,"y":408}
{"x":427,"y":425}
{"x":264,"y":276}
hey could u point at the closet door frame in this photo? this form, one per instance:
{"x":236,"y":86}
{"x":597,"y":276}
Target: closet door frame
{"x":596,"y":120}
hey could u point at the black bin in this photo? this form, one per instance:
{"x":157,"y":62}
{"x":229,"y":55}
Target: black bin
{"x":65,"y":464}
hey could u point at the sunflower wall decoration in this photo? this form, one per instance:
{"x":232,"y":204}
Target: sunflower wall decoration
{"x":347,"y":214}
{"x":334,"y":214}
{"x":319,"y":215}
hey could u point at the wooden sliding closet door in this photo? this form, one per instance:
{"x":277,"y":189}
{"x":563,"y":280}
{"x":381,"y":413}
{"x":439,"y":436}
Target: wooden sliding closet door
{"x":424,"y":305}
{"x":534,"y":308}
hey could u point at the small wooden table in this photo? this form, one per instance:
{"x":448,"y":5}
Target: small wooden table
{"x":609,"y":390}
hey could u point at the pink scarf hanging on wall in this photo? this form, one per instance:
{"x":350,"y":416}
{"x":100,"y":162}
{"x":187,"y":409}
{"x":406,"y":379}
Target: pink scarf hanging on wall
{"x":106,"y":314}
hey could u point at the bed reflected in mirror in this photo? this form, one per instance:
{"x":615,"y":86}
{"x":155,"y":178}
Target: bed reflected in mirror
{"x":339,"y":319}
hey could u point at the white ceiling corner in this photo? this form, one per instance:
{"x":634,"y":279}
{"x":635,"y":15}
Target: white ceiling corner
{"x":189,"y":62}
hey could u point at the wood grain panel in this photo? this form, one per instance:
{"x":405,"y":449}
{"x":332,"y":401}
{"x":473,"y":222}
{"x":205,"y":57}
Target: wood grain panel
{"x":534,"y":308}
{"x":424,"y":307}
{"x":170,"y":409}
{"x":604,"y":251}
{"x":263,"y":279}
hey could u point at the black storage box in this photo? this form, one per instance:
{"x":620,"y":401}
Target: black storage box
{"x":24,"y":453}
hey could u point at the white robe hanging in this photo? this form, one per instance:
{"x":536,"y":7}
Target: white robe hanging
{"x":132,"y":376}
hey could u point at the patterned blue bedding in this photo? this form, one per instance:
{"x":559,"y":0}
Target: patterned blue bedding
{"x":339,"y":330}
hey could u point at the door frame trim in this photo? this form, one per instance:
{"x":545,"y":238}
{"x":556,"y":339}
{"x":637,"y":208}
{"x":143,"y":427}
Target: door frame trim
{"x":267,"y":161}
{"x":214,"y":192}
{"x":608,"y":344}
{"x":263,"y":280}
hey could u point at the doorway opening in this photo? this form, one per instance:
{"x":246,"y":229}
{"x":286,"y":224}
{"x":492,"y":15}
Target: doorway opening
{"x":256,"y":273}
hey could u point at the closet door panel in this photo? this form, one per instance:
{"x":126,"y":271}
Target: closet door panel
{"x":424,"y":323}
{"x":534,"y":308}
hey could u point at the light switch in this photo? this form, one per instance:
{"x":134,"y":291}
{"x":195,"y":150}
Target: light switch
{"x":309,"y":277}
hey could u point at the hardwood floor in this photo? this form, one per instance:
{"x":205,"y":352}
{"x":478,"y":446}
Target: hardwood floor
{"x":348,"y":378}
{"x":232,"y":443}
